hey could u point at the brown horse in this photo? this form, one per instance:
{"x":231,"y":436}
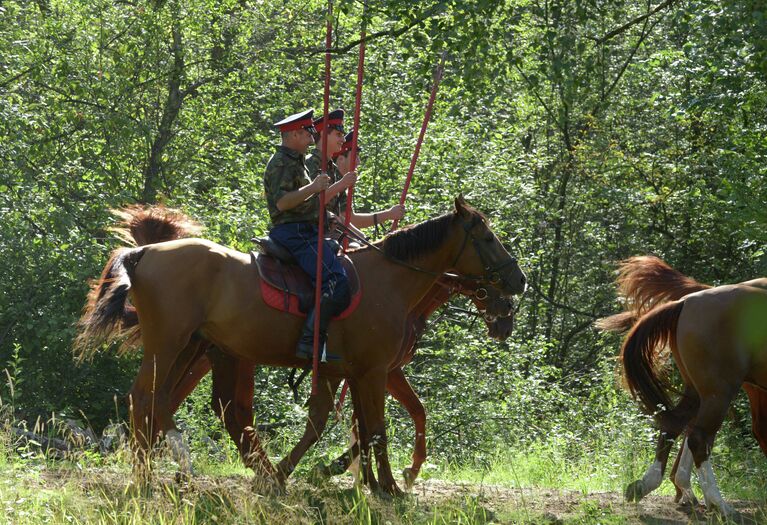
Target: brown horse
{"x":233,"y":385}
{"x":232,"y":394}
{"x":645,"y":282}
{"x":189,"y":289}
{"x":718,"y":343}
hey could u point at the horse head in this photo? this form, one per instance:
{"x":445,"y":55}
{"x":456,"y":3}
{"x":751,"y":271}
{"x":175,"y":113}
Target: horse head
{"x":484,"y":258}
{"x":498,"y":311}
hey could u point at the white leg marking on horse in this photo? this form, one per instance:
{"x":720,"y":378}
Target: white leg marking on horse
{"x":711,"y":490}
{"x":682,"y":477}
{"x":653,"y":477}
{"x":179,"y":450}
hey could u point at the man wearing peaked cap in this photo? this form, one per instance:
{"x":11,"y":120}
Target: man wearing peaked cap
{"x":361,"y":220}
{"x":294,"y":208}
{"x":335,"y":197}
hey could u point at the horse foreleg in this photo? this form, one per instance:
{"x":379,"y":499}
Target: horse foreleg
{"x":758,"y":399}
{"x":371,"y":393}
{"x":399,"y":387}
{"x":349,"y":459}
{"x":320,"y":406}
{"x":363,"y":444}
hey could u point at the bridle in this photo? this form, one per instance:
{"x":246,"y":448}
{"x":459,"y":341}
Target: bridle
{"x":491,"y":275}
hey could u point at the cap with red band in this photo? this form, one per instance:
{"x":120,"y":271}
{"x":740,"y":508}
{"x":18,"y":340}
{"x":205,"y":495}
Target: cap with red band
{"x":297,"y":121}
{"x":335,"y":121}
{"x":347,"y":145}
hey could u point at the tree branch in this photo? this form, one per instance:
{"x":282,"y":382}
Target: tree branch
{"x":372,"y":36}
{"x":628,"y":25}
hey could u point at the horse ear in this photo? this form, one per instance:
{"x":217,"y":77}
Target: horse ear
{"x":460,"y":206}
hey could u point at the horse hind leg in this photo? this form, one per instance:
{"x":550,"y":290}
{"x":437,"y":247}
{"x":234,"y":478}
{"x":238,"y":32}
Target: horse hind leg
{"x":757,"y":398}
{"x":151,"y":400}
{"x":700,"y":439}
{"x":672,"y":424}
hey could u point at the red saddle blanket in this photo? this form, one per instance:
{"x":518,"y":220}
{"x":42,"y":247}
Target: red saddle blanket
{"x":287,"y":288}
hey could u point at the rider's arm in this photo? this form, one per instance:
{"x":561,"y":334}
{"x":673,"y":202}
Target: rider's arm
{"x":365,"y":220}
{"x":292,"y":199}
{"x":339,"y":186}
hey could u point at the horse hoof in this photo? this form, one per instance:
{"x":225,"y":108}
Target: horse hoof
{"x":321,"y":472}
{"x":409,"y":477}
{"x":687,"y":500}
{"x":269,"y":486}
{"x":726,"y":511}
{"x":635,"y":491}
{"x":183,"y":478}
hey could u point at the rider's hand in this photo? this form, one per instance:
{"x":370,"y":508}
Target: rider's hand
{"x":396,"y":212}
{"x":348,"y":180}
{"x":320,"y":183}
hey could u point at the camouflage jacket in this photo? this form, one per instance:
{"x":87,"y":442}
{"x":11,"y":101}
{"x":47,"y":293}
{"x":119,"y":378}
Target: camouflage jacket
{"x":285,"y":172}
{"x":337,"y":204}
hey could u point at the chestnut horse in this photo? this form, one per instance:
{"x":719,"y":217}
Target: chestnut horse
{"x":645,"y":282}
{"x":718,"y":342}
{"x":233,"y":385}
{"x":194,"y":289}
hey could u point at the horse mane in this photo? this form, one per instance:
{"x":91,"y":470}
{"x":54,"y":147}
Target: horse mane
{"x":423,"y":238}
{"x":141,"y":225}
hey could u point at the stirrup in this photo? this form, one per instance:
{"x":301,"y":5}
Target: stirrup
{"x":303,"y":353}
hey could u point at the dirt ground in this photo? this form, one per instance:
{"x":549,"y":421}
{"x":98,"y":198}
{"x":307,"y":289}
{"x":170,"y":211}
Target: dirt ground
{"x":498,"y":504}
{"x":560,"y":506}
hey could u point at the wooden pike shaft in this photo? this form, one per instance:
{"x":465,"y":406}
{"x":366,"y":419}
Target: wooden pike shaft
{"x":426,"y":117}
{"x":321,"y":225}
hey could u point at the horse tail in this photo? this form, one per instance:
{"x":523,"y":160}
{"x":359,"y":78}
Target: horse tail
{"x":640,"y":354}
{"x":619,"y":323}
{"x":105,"y":309}
{"x":142,"y":225}
{"x":647,"y":281}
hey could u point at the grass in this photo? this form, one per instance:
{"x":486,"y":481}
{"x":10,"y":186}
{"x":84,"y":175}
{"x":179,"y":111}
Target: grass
{"x":537,"y":485}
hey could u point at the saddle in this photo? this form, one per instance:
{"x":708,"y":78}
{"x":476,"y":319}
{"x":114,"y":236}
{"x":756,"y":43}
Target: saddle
{"x":286,"y":287}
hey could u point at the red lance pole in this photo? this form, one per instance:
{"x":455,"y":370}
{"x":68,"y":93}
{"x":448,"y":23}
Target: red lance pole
{"x":321,"y":225}
{"x":353,"y":157}
{"x":426,"y":117}
{"x":356,"y":125}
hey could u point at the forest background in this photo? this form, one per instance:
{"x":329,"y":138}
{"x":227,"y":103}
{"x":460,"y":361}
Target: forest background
{"x":588,"y":131}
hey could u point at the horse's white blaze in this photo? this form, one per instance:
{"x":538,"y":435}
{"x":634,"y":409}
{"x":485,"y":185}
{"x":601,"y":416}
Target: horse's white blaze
{"x":682,"y":477}
{"x":179,"y":450}
{"x":711,"y":489}
{"x":653,"y":477}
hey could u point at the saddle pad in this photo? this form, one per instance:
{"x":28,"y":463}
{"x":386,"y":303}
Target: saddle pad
{"x":287,"y":288}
